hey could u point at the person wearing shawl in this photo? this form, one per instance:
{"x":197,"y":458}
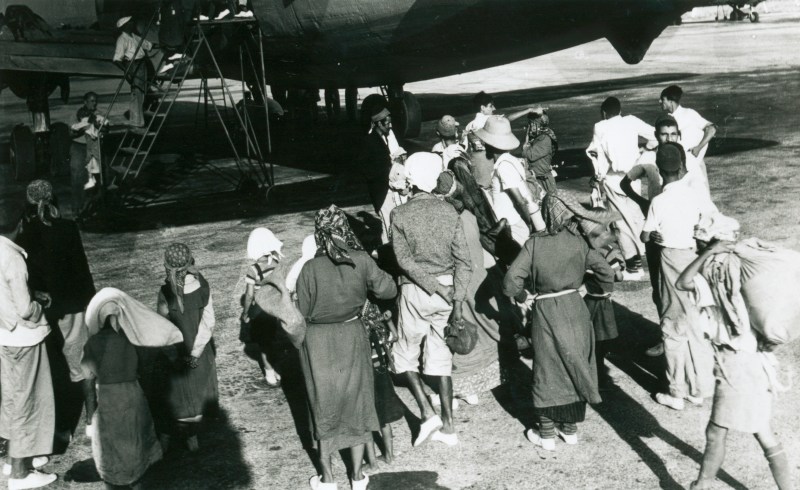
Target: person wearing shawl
{"x":335,"y":356}
{"x":551,"y":266}
{"x":744,"y":391}
{"x":57,"y":265}
{"x":539,"y":149}
{"x":485,"y":306}
{"x":185,"y":299}
{"x":264,"y":249}
{"x":124,"y":445}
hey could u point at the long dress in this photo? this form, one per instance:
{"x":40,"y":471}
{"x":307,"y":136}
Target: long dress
{"x":562,"y":336}
{"x":191,"y":392}
{"x":125,"y":444}
{"x":335,"y":356}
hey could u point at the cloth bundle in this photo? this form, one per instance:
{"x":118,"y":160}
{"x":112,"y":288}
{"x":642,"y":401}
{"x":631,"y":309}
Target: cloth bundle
{"x":274,"y":299}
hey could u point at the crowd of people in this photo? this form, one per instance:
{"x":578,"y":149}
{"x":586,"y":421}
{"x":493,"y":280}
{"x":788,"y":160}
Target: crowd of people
{"x":483,"y":259}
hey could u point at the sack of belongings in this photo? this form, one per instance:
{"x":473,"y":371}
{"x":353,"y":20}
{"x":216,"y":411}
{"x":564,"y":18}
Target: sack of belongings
{"x":770,"y":280}
{"x":275,"y":300}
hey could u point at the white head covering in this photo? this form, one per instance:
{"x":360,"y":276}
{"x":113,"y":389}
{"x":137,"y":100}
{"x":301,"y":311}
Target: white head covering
{"x":716,"y":226}
{"x":309,"y":251}
{"x":123,"y":20}
{"x":143,"y":326}
{"x":263,"y":242}
{"x":423,"y":169}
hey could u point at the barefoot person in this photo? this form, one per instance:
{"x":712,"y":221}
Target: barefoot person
{"x":335,"y":355}
{"x":743,"y":396}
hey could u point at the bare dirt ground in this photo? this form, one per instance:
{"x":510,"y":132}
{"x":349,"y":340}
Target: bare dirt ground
{"x":742,"y":76}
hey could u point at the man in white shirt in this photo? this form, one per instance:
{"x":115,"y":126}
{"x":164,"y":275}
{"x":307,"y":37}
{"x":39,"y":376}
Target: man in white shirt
{"x":129,"y":50}
{"x":511,"y":197}
{"x":27,"y":413}
{"x":670,"y":223}
{"x":696,"y":131}
{"x":448,"y":146}
{"x":614,"y":151}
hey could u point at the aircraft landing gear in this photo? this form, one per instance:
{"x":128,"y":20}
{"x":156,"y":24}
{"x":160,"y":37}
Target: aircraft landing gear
{"x":332,"y":104}
{"x":406,"y":112}
{"x":351,"y":103}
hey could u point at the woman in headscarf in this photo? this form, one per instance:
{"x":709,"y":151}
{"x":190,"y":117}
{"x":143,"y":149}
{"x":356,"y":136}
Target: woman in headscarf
{"x":540,"y":146}
{"x":552,"y":265}
{"x":57,"y":265}
{"x":125,"y":444}
{"x":259,"y":328}
{"x":185,"y":299}
{"x":478,"y":371}
{"x":335,"y":356}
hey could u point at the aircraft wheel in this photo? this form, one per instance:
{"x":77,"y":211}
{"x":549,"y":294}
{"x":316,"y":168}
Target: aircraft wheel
{"x":351,"y":103}
{"x":60,"y":143}
{"x":23,"y":153}
{"x":408,"y":115}
{"x":754,"y":17}
{"x":369,"y":106}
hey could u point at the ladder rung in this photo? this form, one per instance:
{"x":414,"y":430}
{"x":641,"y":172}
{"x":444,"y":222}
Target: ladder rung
{"x":154,"y":114}
{"x":117,"y":129}
{"x":112,"y":187}
{"x":142,"y":131}
{"x":120,"y":169}
{"x":132,"y":151}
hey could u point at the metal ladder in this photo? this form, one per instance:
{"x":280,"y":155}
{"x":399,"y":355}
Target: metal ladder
{"x":136,"y":144}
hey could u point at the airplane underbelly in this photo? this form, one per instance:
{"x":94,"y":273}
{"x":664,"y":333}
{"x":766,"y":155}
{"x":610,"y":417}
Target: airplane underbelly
{"x":337,"y":43}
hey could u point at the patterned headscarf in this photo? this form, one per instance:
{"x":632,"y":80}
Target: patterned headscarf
{"x":178,"y":261}
{"x":334,"y":236}
{"x":557,"y":215}
{"x":40,"y":194}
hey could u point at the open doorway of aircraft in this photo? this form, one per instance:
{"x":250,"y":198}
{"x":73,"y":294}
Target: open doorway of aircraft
{"x":328,"y":44}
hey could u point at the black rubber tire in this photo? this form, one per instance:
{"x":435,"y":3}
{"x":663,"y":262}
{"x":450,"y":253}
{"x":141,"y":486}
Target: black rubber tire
{"x":23,"y":153}
{"x":406,"y":116}
{"x":60,"y":143}
{"x":368,"y":107}
{"x":754,"y":17}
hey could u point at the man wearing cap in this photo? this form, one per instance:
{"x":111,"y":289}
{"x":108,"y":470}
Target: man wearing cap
{"x":670,"y":223}
{"x":448,"y":145}
{"x":614,"y":150}
{"x":379,"y":151}
{"x":696,"y":131}
{"x":432,"y":251}
{"x":129,"y":50}
{"x":511,"y":196}
{"x":27,"y":414}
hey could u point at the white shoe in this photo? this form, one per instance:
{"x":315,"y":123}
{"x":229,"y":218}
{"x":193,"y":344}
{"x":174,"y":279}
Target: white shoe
{"x":437,"y":402}
{"x":175,"y":57}
{"x":360,"y":484}
{"x":90,"y":184}
{"x":166,"y":68}
{"x":317,"y":484}
{"x":202,"y":17}
{"x":244,"y":15}
{"x":449,"y":439}
{"x":89,"y":431}
{"x":670,"y":401}
{"x":694,"y":400}
{"x":427,"y":428}
{"x":472,"y":399}
{"x":223,"y":14}
{"x":570,"y":439}
{"x":655,"y":351}
{"x":632,"y":276}
{"x":37,"y":463}
{"x":535,"y":438}
{"x":272,"y":378}
{"x":34,"y":479}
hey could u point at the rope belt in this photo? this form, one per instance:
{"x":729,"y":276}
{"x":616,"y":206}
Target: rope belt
{"x":554,"y":295}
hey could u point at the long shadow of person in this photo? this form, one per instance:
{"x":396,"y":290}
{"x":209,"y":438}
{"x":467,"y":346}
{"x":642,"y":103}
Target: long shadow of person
{"x":632,"y":422}
{"x":68,"y":396}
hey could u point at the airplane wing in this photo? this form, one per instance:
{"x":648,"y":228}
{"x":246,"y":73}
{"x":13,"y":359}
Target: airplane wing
{"x":65,"y":53}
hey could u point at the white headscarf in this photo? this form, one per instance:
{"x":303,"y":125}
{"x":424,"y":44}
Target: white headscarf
{"x":263,"y":242}
{"x":423,"y":169}
{"x":143,"y":326}
{"x":309,"y":250}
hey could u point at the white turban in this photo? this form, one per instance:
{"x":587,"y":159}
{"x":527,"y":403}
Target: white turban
{"x":716,"y":226}
{"x":423,"y":169}
{"x":262,"y":242}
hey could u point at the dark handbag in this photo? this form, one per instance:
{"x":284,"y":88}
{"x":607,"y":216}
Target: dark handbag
{"x":461,"y":337}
